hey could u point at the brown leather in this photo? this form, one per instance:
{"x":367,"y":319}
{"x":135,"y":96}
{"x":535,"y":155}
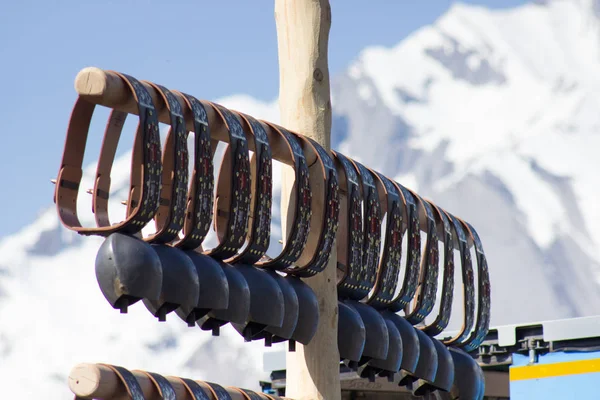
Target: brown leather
{"x":300,"y":204}
{"x":162,"y":385}
{"x":194,"y":389}
{"x":248,"y":394}
{"x":218,"y":391}
{"x":129,"y":382}
{"x":146,"y":168}
{"x":201,"y":192}
{"x":482,"y":323}
{"x":232,"y":202}
{"x":259,"y":223}
{"x":467,"y":281}
{"x":428,"y":278}
{"x":443,"y":317}
{"x":387,"y":273}
{"x":323,"y":228}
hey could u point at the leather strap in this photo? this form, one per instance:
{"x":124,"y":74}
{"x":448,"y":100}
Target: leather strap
{"x":372,"y":217}
{"x":249,"y":394}
{"x":131,"y":384}
{"x":194,"y":389}
{"x":201,"y":193}
{"x":146,"y":167}
{"x":218,"y":391}
{"x":443,"y":318}
{"x":323,"y":228}
{"x":301,"y":200}
{"x":262,"y":193}
{"x":467,"y":281}
{"x":387,"y":273}
{"x":484,"y":299}
{"x":163,"y":386}
{"x":428,"y":278}
{"x":232,"y":204}
{"x":350,"y":243}
{"x":171,"y":212}
{"x":413,"y":258}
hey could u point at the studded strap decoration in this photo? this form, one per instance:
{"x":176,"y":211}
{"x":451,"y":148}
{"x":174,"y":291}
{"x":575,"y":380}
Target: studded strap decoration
{"x":163,"y":386}
{"x":233,"y":229}
{"x":413,"y":257}
{"x":146,"y":169}
{"x":128,"y":379}
{"x":260,"y":219}
{"x":218,"y":391}
{"x":468,"y":283}
{"x":443,"y":318}
{"x":300,"y":223}
{"x":482,"y":324}
{"x":173,"y":199}
{"x":387,"y":274}
{"x":318,"y":250}
{"x":194,"y":389}
{"x":350,"y":243}
{"x":201,"y":193}
{"x":249,"y":394}
{"x":428,"y":279}
{"x":372,"y":220}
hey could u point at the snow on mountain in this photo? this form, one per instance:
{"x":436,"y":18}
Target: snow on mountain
{"x":492,"y":114}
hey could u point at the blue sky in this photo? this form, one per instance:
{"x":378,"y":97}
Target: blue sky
{"x":208,"y":48}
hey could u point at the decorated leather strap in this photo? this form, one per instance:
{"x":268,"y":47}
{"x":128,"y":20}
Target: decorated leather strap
{"x":218,"y":391}
{"x":372,"y":217}
{"x":163,"y":386}
{"x":483,"y":305}
{"x":387,"y":273}
{"x":299,"y":226}
{"x":468,"y":283}
{"x":262,"y":192}
{"x":194,"y":389}
{"x":249,"y":394}
{"x":146,"y":167}
{"x":131,"y":384}
{"x":324,"y":227}
{"x":349,"y":244}
{"x":428,"y":278}
{"x":174,"y":192}
{"x":201,"y":193}
{"x":443,"y":318}
{"x":233,"y":193}
{"x":413,"y":256}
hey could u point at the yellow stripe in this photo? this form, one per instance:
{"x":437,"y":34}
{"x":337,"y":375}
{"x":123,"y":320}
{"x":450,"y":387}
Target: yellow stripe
{"x":557,"y":369}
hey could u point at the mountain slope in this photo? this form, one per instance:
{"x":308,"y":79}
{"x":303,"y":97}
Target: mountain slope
{"x":492,"y":114}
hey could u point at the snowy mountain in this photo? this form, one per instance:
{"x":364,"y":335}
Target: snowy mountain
{"x":492,"y":114}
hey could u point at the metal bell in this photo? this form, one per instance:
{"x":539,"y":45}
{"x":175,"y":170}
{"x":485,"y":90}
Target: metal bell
{"x":273,"y":334}
{"x":391,"y":364}
{"x":444,"y":377}
{"x":427,"y":364}
{"x":214,"y":289}
{"x":410,"y":341}
{"x":377,"y":339}
{"x":180,"y":285}
{"x":308,"y":311}
{"x":127,"y":270}
{"x":266,"y":302}
{"x":238,"y":306}
{"x":351,"y":335}
{"x":469,"y":382}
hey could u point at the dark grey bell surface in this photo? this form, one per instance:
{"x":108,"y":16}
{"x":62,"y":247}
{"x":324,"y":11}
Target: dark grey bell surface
{"x":238,"y":308}
{"x":410,"y":341}
{"x":291,"y":307}
{"x":427,"y":364}
{"x":444,"y":376}
{"x":308,"y":311}
{"x":391,"y":364}
{"x":127,"y":270}
{"x":377,"y":340}
{"x":351,"y":333}
{"x":180,"y":286}
{"x":214,"y":289}
{"x":469,"y":383}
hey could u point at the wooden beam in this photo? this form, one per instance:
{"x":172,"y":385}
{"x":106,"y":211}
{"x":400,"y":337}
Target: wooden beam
{"x":305,"y":106}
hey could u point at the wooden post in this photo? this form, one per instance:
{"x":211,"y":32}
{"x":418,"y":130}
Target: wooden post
{"x":305,"y":106}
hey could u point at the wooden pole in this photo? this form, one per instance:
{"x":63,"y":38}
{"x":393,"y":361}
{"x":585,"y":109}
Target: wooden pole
{"x":305,"y":106}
